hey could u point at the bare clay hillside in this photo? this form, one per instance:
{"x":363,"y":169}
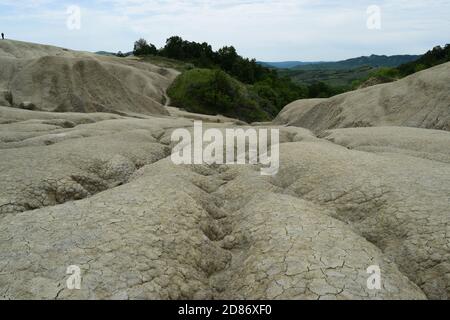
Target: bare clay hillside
{"x":54,"y":79}
{"x":421,"y":100}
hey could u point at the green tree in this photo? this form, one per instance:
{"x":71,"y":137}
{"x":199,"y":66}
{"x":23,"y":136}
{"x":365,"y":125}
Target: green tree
{"x":142,"y":48}
{"x":174,"y":48}
{"x":227,"y":58}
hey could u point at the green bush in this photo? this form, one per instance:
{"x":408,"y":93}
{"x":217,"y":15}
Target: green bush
{"x":212,"y":91}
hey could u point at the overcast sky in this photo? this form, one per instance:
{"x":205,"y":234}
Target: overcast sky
{"x":269,"y":30}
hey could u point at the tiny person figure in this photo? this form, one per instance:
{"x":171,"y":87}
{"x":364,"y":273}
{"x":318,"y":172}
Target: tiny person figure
{"x":3,"y":36}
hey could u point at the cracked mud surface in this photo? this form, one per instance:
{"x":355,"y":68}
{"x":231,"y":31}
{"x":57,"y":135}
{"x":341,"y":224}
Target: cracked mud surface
{"x":100,"y":191}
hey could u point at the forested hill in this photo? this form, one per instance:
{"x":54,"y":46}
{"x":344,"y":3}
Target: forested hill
{"x":222,"y":81}
{"x":374,"y":61}
{"x":286,"y":64}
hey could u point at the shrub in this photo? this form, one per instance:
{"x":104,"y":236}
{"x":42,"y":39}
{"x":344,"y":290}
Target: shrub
{"x":212,"y":91}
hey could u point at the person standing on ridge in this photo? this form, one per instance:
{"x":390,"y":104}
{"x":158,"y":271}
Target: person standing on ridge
{"x":3,"y":36}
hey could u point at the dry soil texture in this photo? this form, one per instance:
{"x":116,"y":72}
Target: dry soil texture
{"x":99,"y":190}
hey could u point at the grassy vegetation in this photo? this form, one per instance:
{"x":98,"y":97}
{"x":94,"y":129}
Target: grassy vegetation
{"x":213,"y":92}
{"x":223,"y":82}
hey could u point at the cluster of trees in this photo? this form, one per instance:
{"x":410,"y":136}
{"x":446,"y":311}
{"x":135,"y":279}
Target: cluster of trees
{"x":203,"y":56}
{"x":143,"y":48}
{"x":267,"y":91}
{"x":434,"y":57}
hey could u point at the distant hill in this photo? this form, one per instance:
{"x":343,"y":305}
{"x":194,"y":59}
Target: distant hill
{"x":438,"y":55}
{"x":342,"y":74}
{"x":336,"y":78}
{"x":374,"y":61}
{"x":285,"y":64}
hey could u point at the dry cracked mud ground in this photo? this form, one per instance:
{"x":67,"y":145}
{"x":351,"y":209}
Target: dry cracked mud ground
{"x":99,"y":190}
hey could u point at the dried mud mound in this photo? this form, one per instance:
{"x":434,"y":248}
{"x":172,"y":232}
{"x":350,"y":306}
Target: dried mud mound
{"x":47,"y":78}
{"x":421,"y":100}
{"x":99,"y":190}
{"x":107,"y":197}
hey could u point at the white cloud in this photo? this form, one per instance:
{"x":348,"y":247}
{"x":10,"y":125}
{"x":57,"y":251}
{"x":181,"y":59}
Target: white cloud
{"x":265,"y":29}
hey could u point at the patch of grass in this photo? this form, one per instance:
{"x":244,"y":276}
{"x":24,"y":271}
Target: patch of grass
{"x":213,"y":92}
